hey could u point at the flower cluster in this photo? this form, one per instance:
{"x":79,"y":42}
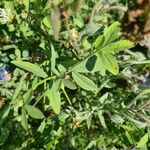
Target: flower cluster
{"x":146,"y":41}
{"x":145,"y":80}
{"x":4,"y":74}
{"x":5,"y":16}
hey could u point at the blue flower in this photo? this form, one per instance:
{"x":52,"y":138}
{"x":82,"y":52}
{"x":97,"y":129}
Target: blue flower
{"x":3,"y":72}
{"x":145,"y":80}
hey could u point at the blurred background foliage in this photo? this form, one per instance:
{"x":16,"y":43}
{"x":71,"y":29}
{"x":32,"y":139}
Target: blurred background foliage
{"x":65,"y":84}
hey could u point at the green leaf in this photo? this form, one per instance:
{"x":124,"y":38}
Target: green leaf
{"x":4,"y":113}
{"x":116,"y":46}
{"x":61,"y":68}
{"x":140,"y":124}
{"x":140,"y":63}
{"x":110,"y":63}
{"x":18,"y":88}
{"x":103,"y":97}
{"x":86,"y":44}
{"x":111,"y":33}
{"x":143,"y":141}
{"x":47,"y":5}
{"x":91,"y":144}
{"x":69,"y":84}
{"x":7,"y":47}
{"x":24,"y":121}
{"x":90,"y":65}
{"x":42,"y":126}
{"x":116,"y":119}
{"x":25,"y":54}
{"x":26,"y":3}
{"x":47,"y":21}
{"x":146,"y":91}
{"x":27,"y":96}
{"x":84,"y":82}
{"x":99,"y":41}
{"x":9,"y":5}
{"x":88,"y":121}
{"x":34,"y":82}
{"x":129,"y":137}
{"x":78,"y":21}
{"x":54,"y":97}
{"x":18,"y":53}
{"x":30,"y":67}
{"x":18,"y":102}
{"x":34,"y":112}
{"x":53,"y":57}
{"x":101,"y":118}
{"x":91,"y":28}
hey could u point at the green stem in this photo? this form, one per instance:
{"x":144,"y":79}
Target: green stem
{"x":43,"y":81}
{"x":39,"y":99}
{"x":134,"y":100}
{"x":69,"y":101}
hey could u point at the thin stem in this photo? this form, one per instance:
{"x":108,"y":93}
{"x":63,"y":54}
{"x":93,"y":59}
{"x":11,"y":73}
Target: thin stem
{"x":97,"y":5}
{"x":120,"y":8}
{"x":134,"y":100}
{"x":69,"y":101}
{"x":43,"y":81}
{"x":146,"y":103}
{"x":39,"y":99}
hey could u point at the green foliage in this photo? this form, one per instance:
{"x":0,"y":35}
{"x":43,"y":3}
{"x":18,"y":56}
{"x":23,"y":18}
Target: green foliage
{"x":68,"y":79}
{"x":31,"y":68}
{"x":54,"y":97}
{"x":84,"y":82}
{"x":143,"y":141}
{"x":34,"y":112}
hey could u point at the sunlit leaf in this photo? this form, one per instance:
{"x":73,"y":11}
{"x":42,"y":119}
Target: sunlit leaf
{"x":140,"y":62}
{"x":143,"y":141}
{"x":110,"y":63}
{"x":30,"y":67}
{"x":24,"y":121}
{"x":34,"y":112}
{"x":18,"y":53}
{"x":116,"y":47}
{"x":7,"y":47}
{"x":54,"y":97}
{"x":111,"y":33}
{"x":84,"y":82}
{"x":92,"y":64}
{"x":53,"y":57}
{"x":26,"y":3}
{"x":101,"y":118}
{"x":99,"y":41}
{"x":69,"y":84}
{"x":27,"y":96}
{"x":42,"y":126}
{"x":91,"y":144}
{"x":116,"y":119}
{"x":47,"y":21}
{"x":88,"y":121}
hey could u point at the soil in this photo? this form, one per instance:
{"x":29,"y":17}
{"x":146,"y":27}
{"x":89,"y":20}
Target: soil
{"x":136,"y":22}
